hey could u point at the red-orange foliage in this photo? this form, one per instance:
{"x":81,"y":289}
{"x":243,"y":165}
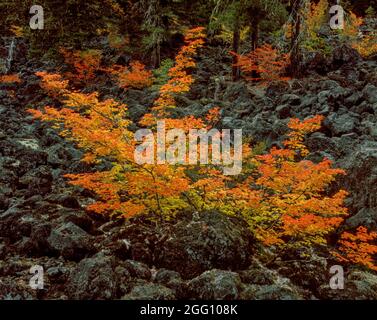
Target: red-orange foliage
{"x":10,"y":78}
{"x":264,"y":61}
{"x":134,"y":77}
{"x":284,"y":196}
{"x":359,"y":248}
{"x":52,"y":83}
{"x":85,"y":63}
{"x":299,"y":129}
{"x":180,"y":80}
{"x":100,"y":128}
{"x":128,"y":188}
{"x":281,"y":194}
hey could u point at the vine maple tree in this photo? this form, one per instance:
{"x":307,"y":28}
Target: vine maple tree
{"x":53,"y":83}
{"x":351,"y":26}
{"x":280,"y":193}
{"x":367,"y":46}
{"x":136,"y":76}
{"x":315,"y":17}
{"x":179,"y":78}
{"x":84,"y":63}
{"x":100,"y":128}
{"x":265,"y":61}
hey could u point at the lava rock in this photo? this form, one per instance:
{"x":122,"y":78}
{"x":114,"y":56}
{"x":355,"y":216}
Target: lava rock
{"x":341,"y":124}
{"x":70,"y":241}
{"x":210,"y":240}
{"x":137,"y":269}
{"x":93,"y":278}
{"x":150,"y":291}
{"x":215,"y":285}
{"x":344,"y":54}
{"x":38,"y":180}
{"x":270,"y":292}
{"x":370,"y":93}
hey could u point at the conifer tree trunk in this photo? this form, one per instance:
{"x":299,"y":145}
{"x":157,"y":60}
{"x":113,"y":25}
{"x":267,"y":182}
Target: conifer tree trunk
{"x":254,"y":34}
{"x":236,"y":45}
{"x":295,"y":67}
{"x":156,"y":55}
{"x":254,"y":39}
{"x":154,"y":22}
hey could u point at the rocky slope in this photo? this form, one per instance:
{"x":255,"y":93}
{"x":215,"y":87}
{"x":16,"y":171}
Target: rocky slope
{"x":196,"y":256}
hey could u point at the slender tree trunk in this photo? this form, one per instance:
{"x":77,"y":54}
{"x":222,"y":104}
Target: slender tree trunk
{"x":236,"y":45}
{"x":154,"y":21}
{"x":254,"y":39}
{"x":255,"y":34}
{"x":156,"y":56}
{"x":295,"y":67}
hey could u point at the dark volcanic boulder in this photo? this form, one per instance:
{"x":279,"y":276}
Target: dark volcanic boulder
{"x":150,"y":291}
{"x":361,"y":181}
{"x":71,"y":241}
{"x":271,"y":292}
{"x":208,"y":240}
{"x":137,"y":269}
{"x":370,"y":93}
{"x":38,"y":181}
{"x":277,"y":88}
{"x":341,"y":124}
{"x":315,"y":61}
{"x":10,"y":225}
{"x":93,"y":278}
{"x":344,"y":54}
{"x":173,"y":281}
{"x":215,"y":285}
